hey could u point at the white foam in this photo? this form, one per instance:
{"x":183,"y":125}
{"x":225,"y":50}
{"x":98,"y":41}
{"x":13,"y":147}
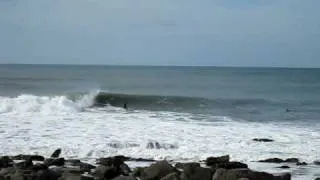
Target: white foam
{"x":32,"y":124}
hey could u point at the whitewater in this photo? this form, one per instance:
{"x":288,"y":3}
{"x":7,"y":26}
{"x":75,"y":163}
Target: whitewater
{"x":41,"y":124}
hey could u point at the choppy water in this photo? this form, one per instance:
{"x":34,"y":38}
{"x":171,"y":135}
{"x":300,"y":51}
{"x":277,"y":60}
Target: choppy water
{"x":192,"y":112}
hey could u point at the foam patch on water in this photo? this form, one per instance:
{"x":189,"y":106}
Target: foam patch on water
{"x":42,"y":124}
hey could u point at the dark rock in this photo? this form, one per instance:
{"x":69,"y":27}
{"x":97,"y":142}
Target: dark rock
{"x":172,"y":176}
{"x":292,"y":160}
{"x":86,"y":167}
{"x":215,"y":160}
{"x":236,"y":174}
{"x":195,"y":173}
{"x":46,"y":175}
{"x":112,"y":161}
{"x":124,"y":178}
{"x":124,"y":169}
{"x":272,"y":160}
{"x":24,"y":164}
{"x":278,"y":160}
{"x":157,"y":171}
{"x":56,"y":153}
{"x":5,"y":161}
{"x":7,"y":171}
{"x":317,"y":178}
{"x":68,"y":176}
{"x":301,"y":164}
{"x":27,"y":157}
{"x":106,"y":172}
{"x":54,"y":162}
{"x":141,"y":160}
{"x":230,"y":165}
{"x":263,"y":140}
{"x":73,"y":162}
{"x":316,"y":162}
{"x":137,"y":172}
{"x":186,"y":165}
{"x":38,"y":167}
{"x":284,"y":167}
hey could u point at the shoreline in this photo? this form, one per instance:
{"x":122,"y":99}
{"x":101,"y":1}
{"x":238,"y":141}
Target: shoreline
{"x":128,"y":168}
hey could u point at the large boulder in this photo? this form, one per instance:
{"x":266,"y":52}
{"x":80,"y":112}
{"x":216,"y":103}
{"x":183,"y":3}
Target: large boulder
{"x":230,"y":165}
{"x":210,"y":161}
{"x":186,"y":165}
{"x":157,"y":171}
{"x":105,"y":172}
{"x":46,"y":175}
{"x":196,"y":173}
{"x":235,"y":174}
{"x":54,"y":162}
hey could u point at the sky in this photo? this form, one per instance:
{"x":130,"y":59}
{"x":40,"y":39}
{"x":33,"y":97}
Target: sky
{"x":161,"y":32}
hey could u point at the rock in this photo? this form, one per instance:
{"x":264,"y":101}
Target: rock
{"x":292,"y":160}
{"x":185,"y":165}
{"x":235,"y":174}
{"x":243,"y":179}
{"x":7,"y":171}
{"x":27,"y":157}
{"x":141,"y":160}
{"x":278,"y":160}
{"x":157,"y":171}
{"x":46,"y":175}
{"x":112,"y":161}
{"x":54,"y":162}
{"x":272,"y":160}
{"x":68,"y":176}
{"x":38,"y":167}
{"x":195,"y":173}
{"x":263,"y":140}
{"x":56,"y":153}
{"x":24,"y":164}
{"x":124,"y":178}
{"x":301,"y":163}
{"x":316,"y":162}
{"x":172,"y":176}
{"x":284,"y":167}
{"x":124,"y":169}
{"x":137,"y":172}
{"x":215,"y":160}
{"x":5,"y":161}
{"x":105,"y":172}
{"x":230,"y":165}
{"x":85,"y":167}
{"x":317,"y":178}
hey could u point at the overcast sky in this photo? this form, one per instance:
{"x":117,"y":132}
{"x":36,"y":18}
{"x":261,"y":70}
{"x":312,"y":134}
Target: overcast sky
{"x":161,"y":32}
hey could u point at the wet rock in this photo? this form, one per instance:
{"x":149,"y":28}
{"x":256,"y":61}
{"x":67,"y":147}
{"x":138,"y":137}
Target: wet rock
{"x":124,"y":169}
{"x":172,"y":176}
{"x":112,"y":161}
{"x":195,"y":173}
{"x":317,"y":178}
{"x":55,"y":162}
{"x":186,"y":165}
{"x":272,"y":160}
{"x":106,"y":172}
{"x":292,"y":160}
{"x":137,"y":172}
{"x":56,"y":153}
{"x":46,"y":175}
{"x":7,"y":171}
{"x":141,"y":160}
{"x":235,"y":174}
{"x":38,"y":167}
{"x":124,"y":178}
{"x":5,"y":161}
{"x":230,"y":165}
{"x":157,"y":171}
{"x":27,"y":157}
{"x":278,"y":160}
{"x":68,"y":176}
{"x":301,"y":163}
{"x":210,"y":161}
{"x":316,"y":162}
{"x":262,"y":140}
{"x":284,"y":167}
{"x":24,"y":164}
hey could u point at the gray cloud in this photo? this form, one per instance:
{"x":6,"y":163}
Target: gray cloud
{"x":251,"y":33}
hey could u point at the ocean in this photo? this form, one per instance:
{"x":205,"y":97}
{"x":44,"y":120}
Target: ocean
{"x":189,"y":112}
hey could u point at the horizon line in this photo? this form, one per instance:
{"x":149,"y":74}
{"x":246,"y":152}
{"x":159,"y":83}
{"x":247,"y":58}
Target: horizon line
{"x":146,"y":65}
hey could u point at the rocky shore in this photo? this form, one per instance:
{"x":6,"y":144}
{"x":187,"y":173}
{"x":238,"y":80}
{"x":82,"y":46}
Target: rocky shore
{"x":36,"y":167}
